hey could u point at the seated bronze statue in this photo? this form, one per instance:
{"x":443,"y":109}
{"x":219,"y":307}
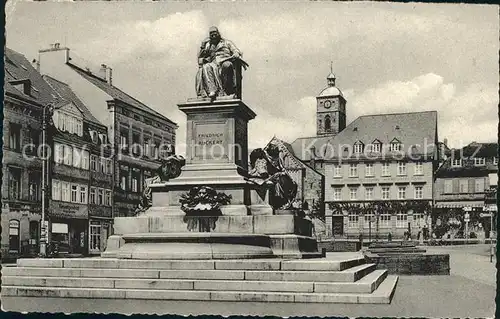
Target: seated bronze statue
{"x":219,"y":61}
{"x":268,"y":170}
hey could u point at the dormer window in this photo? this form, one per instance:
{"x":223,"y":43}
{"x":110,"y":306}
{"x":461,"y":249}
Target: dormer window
{"x":102,"y":138}
{"x":395,"y":146}
{"x":495,"y":160}
{"x":358,"y":147}
{"x":67,"y":122}
{"x":376,"y":146}
{"x":93,"y":136}
{"x":456,"y":162}
{"x":479,"y":161}
{"x":22,"y":85}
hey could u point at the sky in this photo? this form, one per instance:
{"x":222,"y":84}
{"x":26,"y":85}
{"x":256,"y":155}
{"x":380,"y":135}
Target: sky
{"x":387,"y":57}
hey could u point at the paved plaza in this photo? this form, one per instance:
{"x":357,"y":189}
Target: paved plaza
{"x":468,"y":292}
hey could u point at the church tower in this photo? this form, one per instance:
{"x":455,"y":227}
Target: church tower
{"x":330,"y":110}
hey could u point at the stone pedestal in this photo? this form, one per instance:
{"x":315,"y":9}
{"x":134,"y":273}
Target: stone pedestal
{"x":217,"y":157}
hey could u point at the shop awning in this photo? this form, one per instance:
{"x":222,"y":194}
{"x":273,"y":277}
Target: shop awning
{"x":475,"y":204}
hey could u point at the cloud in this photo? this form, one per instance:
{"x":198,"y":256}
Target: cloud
{"x":464,"y":115}
{"x":299,"y":121}
{"x":284,"y":47}
{"x":171,"y":38}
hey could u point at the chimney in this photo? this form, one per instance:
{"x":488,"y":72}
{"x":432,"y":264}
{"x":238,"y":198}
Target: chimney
{"x":66,"y":55}
{"x":445,"y":142}
{"x":106,"y":73}
{"x":109,"y":76}
{"x":103,"y":72}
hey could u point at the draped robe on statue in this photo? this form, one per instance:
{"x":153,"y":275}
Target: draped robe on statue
{"x":216,"y":75}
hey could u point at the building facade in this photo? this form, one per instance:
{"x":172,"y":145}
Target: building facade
{"x":462,"y":187}
{"x":137,"y":134}
{"x":139,"y":137}
{"x":26,"y":93}
{"x":81,"y":167}
{"x":97,"y":164}
{"x":378,"y":169}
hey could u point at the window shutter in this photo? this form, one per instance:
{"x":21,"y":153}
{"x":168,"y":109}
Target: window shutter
{"x":456,"y":186}
{"x":472,"y":186}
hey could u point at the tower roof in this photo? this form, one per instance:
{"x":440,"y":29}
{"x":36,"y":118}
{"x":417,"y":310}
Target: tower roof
{"x":331,"y":89}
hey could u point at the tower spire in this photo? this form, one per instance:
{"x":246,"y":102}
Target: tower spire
{"x":330,"y":79}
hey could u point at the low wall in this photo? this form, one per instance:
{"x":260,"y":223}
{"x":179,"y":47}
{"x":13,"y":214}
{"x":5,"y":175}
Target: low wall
{"x":339,"y":245}
{"x":412,"y":264}
{"x":457,"y":241}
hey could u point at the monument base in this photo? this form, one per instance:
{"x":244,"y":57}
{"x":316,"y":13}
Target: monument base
{"x":216,"y":158}
{"x":216,"y":237}
{"x":189,"y":246}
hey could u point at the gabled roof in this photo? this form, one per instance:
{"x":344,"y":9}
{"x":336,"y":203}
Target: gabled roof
{"x":468,"y":169}
{"x":284,"y":146}
{"x":415,"y":128}
{"x":18,"y":68}
{"x":65,"y":92}
{"x":116,"y":93}
{"x":477,"y":150}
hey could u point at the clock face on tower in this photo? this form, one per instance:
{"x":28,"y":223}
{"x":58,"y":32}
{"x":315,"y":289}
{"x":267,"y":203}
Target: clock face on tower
{"x":328,"y":104}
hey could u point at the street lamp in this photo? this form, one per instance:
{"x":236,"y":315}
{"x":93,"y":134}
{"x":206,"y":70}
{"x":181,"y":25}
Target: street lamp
{"x":46,"y":113}
{"x":466,"y":220}
{"x":491,"y":211}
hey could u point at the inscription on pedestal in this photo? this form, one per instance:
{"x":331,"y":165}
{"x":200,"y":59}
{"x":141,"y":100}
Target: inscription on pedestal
{"x":210,"y":141}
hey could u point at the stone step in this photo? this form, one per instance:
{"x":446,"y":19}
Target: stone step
{"x":349,"y":275}
{"x":321,"y":264}
{"x":383,"y":294}
{"x":361,"y":286}
{"x":367,"y":284}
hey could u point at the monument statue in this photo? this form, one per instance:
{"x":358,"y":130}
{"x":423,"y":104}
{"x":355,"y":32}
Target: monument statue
{"x":170,"y":168}
{"x":267,"y":169}
{"x":218,"y":61}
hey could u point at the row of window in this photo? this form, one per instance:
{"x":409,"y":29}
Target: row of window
{"x":478,"y":161}
{"x":147,"y":146}
{"x":77,"y":193}
{"x":385,"y":169}
{"x":147,"y":121}
{"x":67,"y":122}
{"x":385,"y":192}
{"x":72,"y":156}
{"x":463,"y":186}
{"x":131,"y":178}
{"x":385,"y":220}
{"x":376,"y":147}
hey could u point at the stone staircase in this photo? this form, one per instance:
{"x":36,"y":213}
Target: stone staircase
{"x":260,"y":280}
